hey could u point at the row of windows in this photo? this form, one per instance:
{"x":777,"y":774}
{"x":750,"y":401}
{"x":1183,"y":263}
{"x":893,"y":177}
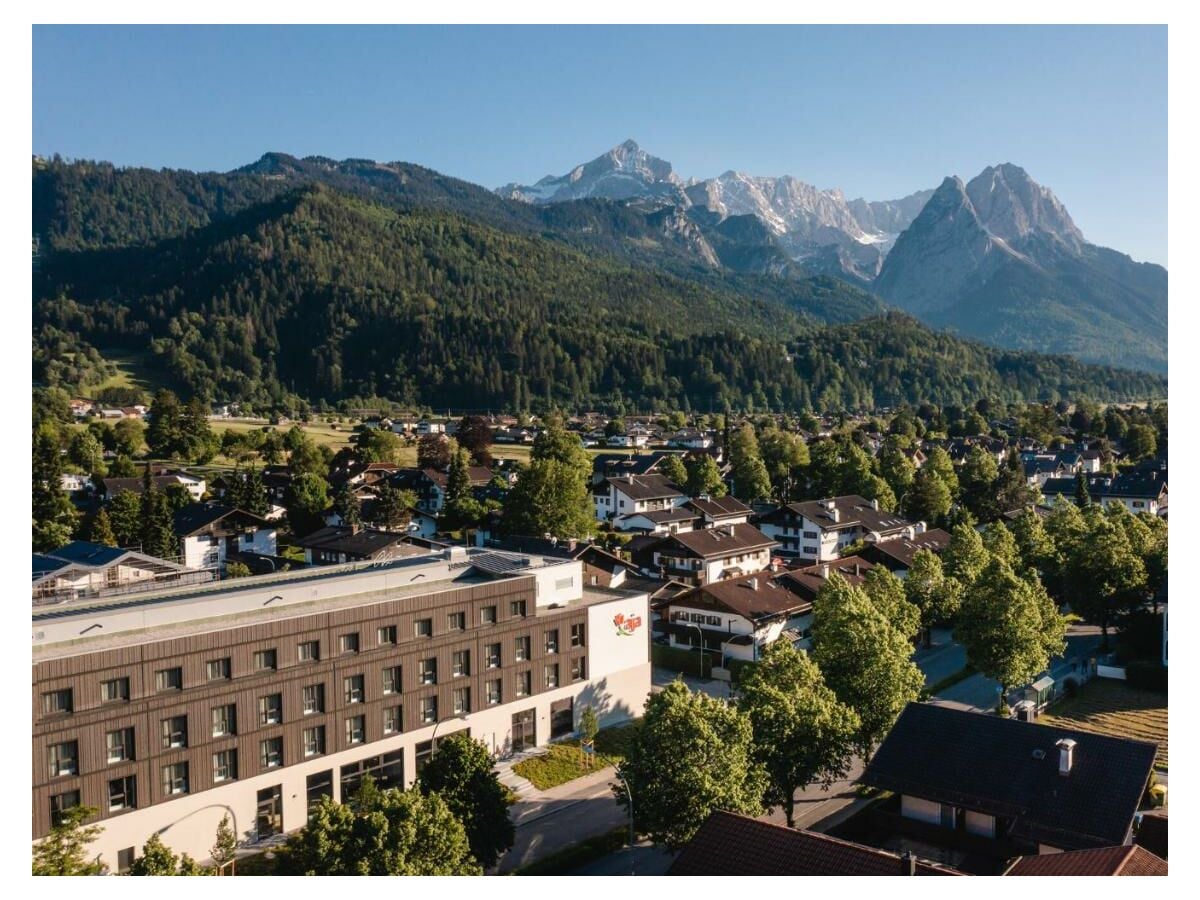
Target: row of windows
{"x":114,"y":690}
{"x":63,"y":758}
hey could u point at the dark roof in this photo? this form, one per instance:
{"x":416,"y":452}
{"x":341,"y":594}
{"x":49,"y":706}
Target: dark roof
{"x":113,"y":486}
{"x":899,"y":552}
{"x":644,"y":487}
{"x":85,"y":553}
{"x":1123,"y":860}
{"x":1009,"y":768}
{"x":196,"y":517}
{"x":754,"y":597}
{"x":730,"y":844}
{"x":718,"y":507}
{"x":852,"y":511}
{"x":364,"y":543}
{"x":1133,"y":485}
{"x":1152,"y":833}
{"x":662,"y":516}
{"x":808,"y":581}
{"x":722,"y":541}
{"x":624,"y":464}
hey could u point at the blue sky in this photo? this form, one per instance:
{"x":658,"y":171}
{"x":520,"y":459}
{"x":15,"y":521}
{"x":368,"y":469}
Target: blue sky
{"x":878,"y":112}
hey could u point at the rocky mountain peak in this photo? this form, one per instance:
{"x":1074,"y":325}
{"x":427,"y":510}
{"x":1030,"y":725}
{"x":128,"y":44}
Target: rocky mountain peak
{"x":1012,"y":206}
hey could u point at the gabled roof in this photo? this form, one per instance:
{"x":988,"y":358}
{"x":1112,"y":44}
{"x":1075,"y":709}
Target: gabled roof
{"x":1124,"y":860}
{"x":719,"y":507}
{"x":808,"y":581}
{"x":708,"y":543}
{"x":1009,"y":768}
{"x":852,"y":511}
{"x":731,"y":844}
{"x":197,"y":517}
{"x":899,"y":552}
{"x":1152,"y":832}
{"x":754,"y":597}
{"x":645,"y":487}
{"x":364,"y":543}
{"x":83,"y":556}
{"x":663,"y":516}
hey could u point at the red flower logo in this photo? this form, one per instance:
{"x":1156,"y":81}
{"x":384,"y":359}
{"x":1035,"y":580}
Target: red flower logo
{"x":626,"y":627}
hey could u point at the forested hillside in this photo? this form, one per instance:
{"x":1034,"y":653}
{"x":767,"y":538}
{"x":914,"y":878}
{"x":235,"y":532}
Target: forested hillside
{"x":322,"y":296}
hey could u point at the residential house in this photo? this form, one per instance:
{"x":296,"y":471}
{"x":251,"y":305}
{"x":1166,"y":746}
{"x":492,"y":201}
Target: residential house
{"x":737,"y":617}
{"x":1138,"y":490}
{"x":161,"y":480}
{"x":986,"y":786}
{"x":897,"y":555}
{"x":706,"y":555}
{"x":690,"y":439}
{"x":601,"y":568}
{"x":74,"y":483}
{"x":620,"y":497}
{"x":713,"y":512}
{"x":819,"y":530}
{"x":1122,"y":860}
{"x":211,"y":535}
{"x":353,"y":543}
{"x":431,"y":486}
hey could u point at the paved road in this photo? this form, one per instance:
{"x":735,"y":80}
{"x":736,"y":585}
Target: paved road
{"x":979,"y":693}
{"x":642,"y":859}
{"x":561,"y":818}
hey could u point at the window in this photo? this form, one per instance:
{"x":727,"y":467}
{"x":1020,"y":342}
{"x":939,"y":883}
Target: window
{"x":423,"y":628}
{"x":115,"y":690}
{"x":492,"y":656}
{"x":391,"y":680}
{"x":427,"y":671}
{"x":353,"y":688}
{"x":219,"y":669}
{"x":168,"y":679}
{"x":270,"y":709}
{"x":563,"y":584}
{"x":524,"y":684}
{"x":552,"y":641}
{"x":552,"y":675}
{"x":225,"y":765}
{"x":60,"y":803}
{"x":456,"y":621}
{"x":487,"y":615}
{"x":308,"y":651}
{"x":386,"y":635}
{"x":124,"y":861}
{"x":318,"y":785}
{"x":493,"y":692}
{"x":522,"y":649}
{"x":174,"y":732}
{"x":579,"y":669}
{"x":356,"y":729}
{"x":64,"y":758}
{"x":270,"y":753}
{"x":224,"y":720}
{"x":810,"y":551}
{"x":461,"y":663}
{"x":429,"y":709}
{"x":314,"y":740}
{"x":393,"y":720}
{"x":349,"y":643}
{"x":265,"y":660}
{"x":577,"y":635}
{"x":314,"y":699}
{"x":60,"y":702}
{"x":386,"y":770}
{"x":120,"y":745}
{"x":462,"y":700}
{"x":175,"y":778}
{"x":517,"y":608}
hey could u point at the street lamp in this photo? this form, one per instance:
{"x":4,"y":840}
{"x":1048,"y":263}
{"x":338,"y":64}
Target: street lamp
{"x":701,"y":633}
{"x":461,"y":717}
{"x":628,"y":794}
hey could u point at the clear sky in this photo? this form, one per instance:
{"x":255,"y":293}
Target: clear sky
{"x":878,"y":112}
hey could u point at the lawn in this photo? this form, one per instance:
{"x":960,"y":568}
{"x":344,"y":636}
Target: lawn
{"x":1106,"y":706}
{"x":563,"y":761}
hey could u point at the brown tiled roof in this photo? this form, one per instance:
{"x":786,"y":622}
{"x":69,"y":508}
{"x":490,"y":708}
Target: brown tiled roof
{"x":1125,"y":860}
{"x":730,"y":844}
{"x":807,"y":581}
{"x":753,"y":597}
{"x":900,"y":551}
{"x":711,"y":542}
{"x":646,"y":487}
{"x":717,"y":507}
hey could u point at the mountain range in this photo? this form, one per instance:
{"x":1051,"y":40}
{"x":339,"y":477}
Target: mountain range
{"x":326,"y":280}
{"x":997,"y":258}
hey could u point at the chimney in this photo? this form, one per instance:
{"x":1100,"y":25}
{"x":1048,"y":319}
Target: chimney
{"x":825,"y":571}
{"x":754,"y":584}
{"x":834,"y":514}
{"x":729,"y":529}
{"x":875,"y":505}
{"x":908,"y":863}
{"x":1066,"y":755}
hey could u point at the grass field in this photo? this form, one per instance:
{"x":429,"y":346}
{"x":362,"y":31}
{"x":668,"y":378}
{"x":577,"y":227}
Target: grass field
{"x":564,"y":762}
{"x":132,"y":372}
{"x":1105,"y":706}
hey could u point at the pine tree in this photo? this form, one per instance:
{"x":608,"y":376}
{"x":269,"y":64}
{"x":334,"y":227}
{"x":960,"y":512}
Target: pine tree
{"x":224,"y":851}
{"x":53,"y":515}
{"x":100,"y":530}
